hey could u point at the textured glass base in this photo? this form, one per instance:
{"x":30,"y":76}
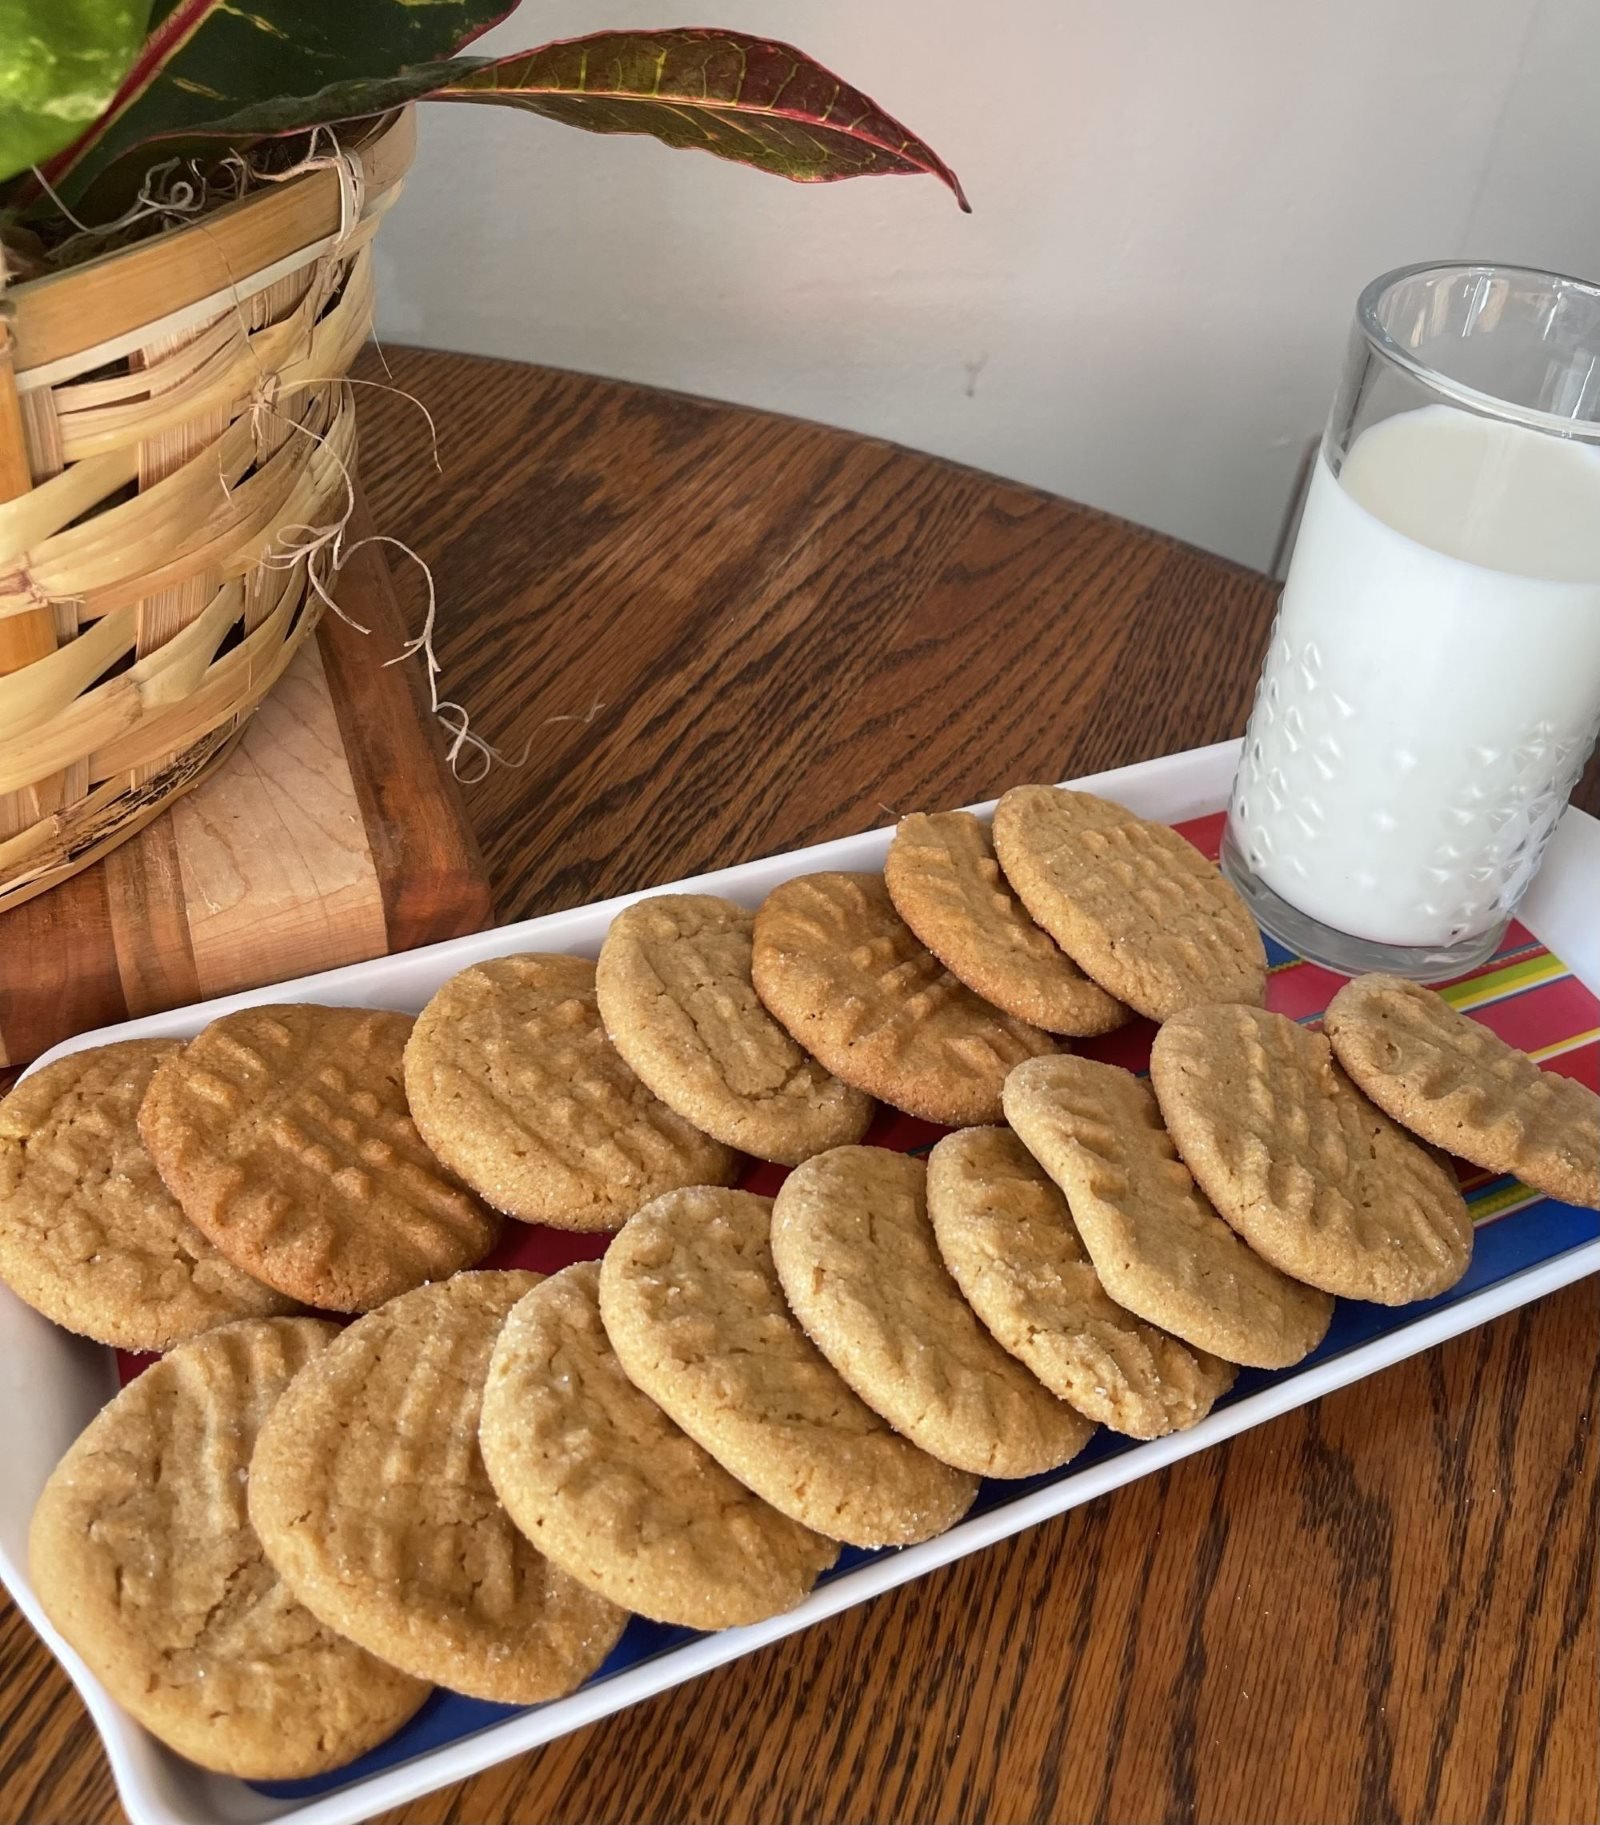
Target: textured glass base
{"x":1337,"y":950}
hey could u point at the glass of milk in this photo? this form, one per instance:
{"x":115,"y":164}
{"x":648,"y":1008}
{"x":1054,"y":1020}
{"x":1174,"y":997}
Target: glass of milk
{"x":1432,"y":685}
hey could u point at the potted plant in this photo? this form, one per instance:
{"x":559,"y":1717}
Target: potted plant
{"x":188,"y":191}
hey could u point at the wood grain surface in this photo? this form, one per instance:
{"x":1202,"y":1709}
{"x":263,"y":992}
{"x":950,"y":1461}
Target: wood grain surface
{"x":720,"y":634}
{"x":333,"y":832}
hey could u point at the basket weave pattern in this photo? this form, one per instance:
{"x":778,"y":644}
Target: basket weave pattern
{"x":173,"y":425}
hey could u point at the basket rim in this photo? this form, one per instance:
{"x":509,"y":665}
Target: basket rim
{"x":62,"y":314}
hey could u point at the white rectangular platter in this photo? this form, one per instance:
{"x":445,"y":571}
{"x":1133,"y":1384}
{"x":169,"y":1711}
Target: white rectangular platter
{"x":51,"y":1384}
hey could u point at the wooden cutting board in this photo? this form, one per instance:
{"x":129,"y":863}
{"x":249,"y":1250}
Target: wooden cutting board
{"x":333,"y":832}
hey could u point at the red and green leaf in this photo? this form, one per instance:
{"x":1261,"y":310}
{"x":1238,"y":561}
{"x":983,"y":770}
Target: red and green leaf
{"x":749,"y":99}
{"x":206,"y":59}
{"x":743,"y":98}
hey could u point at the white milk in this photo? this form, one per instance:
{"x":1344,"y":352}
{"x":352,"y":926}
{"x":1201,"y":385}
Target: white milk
{"x":1433,"y":683}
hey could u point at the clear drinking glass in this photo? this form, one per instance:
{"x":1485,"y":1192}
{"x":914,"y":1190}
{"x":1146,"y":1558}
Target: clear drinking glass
{"x":1431,"y":688}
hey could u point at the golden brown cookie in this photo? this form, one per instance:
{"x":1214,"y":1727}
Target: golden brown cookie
{"x":1317,"y":1181}
{"x":516,"y":1088}
{"x":370,"y":1496}
{"x":597,"y":1476}
{"x":692,"y":1305}
{"x":678,"y":1003}
{"x":282,"y":1130}
{"x":1159,"y":1248}
{"x":1448,"y":1078}
{"x":88,"y":1233}
{"x":946,"y":884}
{"x":1006,"y":1234}
{"x":1137,"y":906}
{"x":839,"y":967}
{"x":144,"y":1558}
{"x":859,"y":1266}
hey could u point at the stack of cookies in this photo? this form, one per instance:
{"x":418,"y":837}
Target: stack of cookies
{"x":274,"y":1542}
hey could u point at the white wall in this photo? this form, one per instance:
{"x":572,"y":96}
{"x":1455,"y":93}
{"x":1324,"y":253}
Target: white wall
{"x":1176,"y":203}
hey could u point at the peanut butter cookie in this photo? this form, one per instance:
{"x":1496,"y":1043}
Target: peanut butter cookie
{"x":88,"y":1233}
{"x":679,"y":1004}
{"x":603,"y":1482}
{"x":1007,"y":1236}
{"x":946,"y":884}
{"x":283,"y":1132}
{"x":840,"y":968}
{"x":1317,"y":1181}
{"x":370,"y":1496}
{"x":1131,"y":902}
{"x":516,"y":1087}
{"x":856,"y":1255}
{"x":1450,"y":1079}
{"x":143,"y":1556}
{"x":691,"y":1302}
{"x":1159,"y":1248}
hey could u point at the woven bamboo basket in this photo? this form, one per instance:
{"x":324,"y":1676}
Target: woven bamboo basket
{"x":172,"y":418}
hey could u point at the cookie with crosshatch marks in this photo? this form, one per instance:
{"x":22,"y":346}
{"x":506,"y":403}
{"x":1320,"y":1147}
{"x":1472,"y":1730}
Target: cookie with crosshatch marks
{"x":1132,"y":902}
{"x":1006,"y":1234}
{"x":1315,"y":1178}
{"x":1451,"y":1080}
{"x":600,"y":1479}
{"x":691,"y":1301}
{"x":1159,"y":1248}
{"x":679,"y":1004}
{"x":88,"y":1233}
{"x":283,"y":1132}
{"x":842,"y":970}
{"x":856,"y":1254}
{"x":370,"y":1496}
{"x":143,"y":1556}
{"x":516,"y":1087}
{"x":946,"y":884}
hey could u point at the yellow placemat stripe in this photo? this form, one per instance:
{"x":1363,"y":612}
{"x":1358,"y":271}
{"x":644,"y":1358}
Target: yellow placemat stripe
{"x":1530,"y":973}
{"x":1558,"y":1046}
{"x":1504,"y":1198}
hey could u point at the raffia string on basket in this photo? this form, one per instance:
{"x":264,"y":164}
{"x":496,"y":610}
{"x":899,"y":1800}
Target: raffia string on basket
{"x":172,"y":422}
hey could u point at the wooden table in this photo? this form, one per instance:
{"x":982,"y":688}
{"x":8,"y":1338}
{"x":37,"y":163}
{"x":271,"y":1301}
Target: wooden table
{"x":720,"y":634}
